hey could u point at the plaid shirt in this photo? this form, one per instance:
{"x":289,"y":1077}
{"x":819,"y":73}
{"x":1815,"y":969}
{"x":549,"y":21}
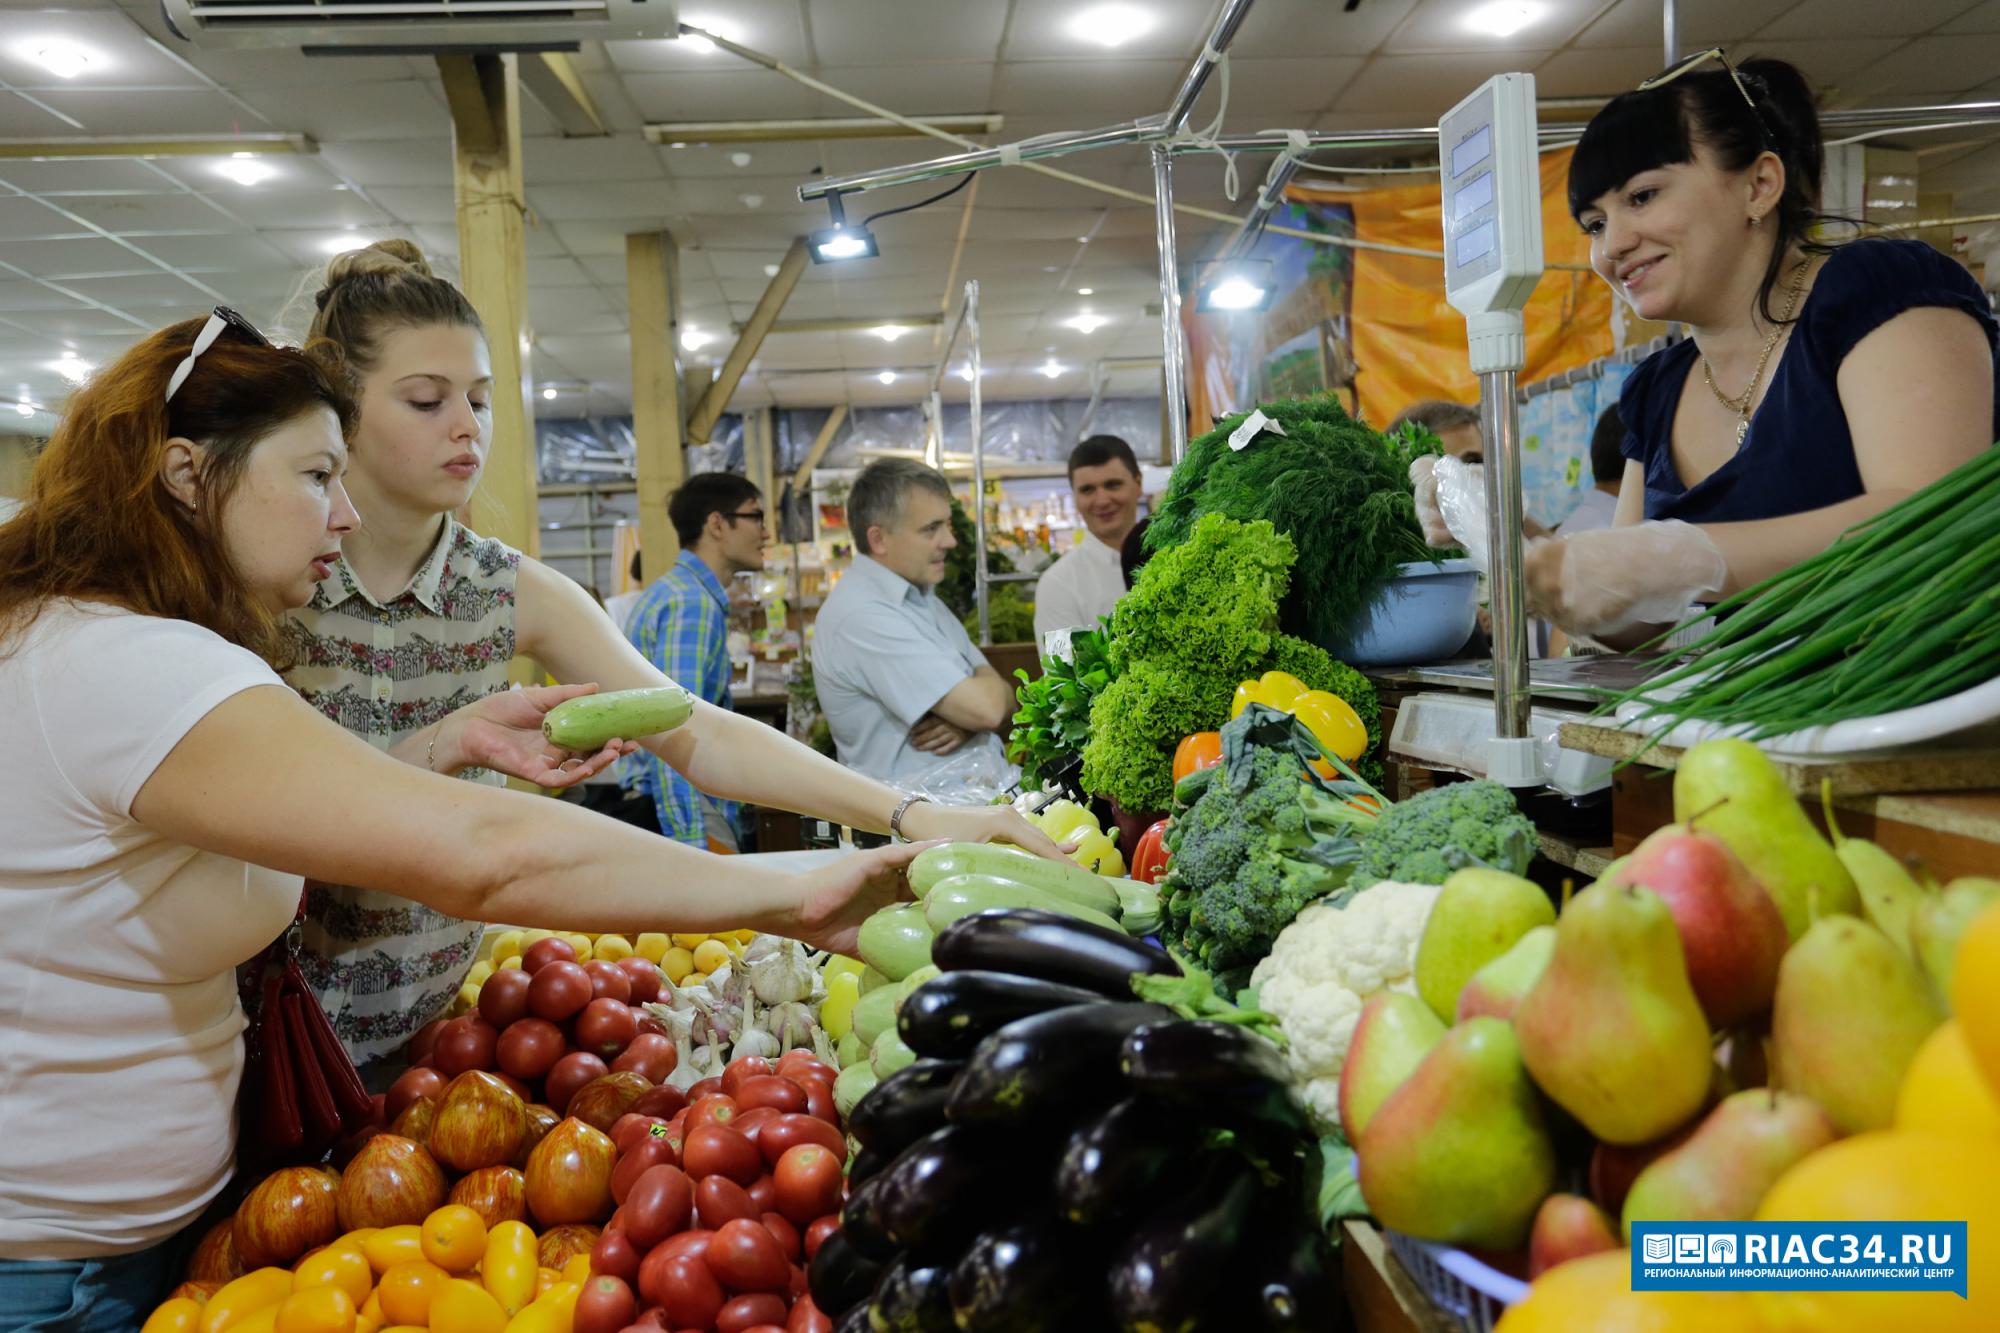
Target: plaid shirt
{"x":681,"y":625}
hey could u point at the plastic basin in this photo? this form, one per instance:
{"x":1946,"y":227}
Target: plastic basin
{"x":1423,"y":614}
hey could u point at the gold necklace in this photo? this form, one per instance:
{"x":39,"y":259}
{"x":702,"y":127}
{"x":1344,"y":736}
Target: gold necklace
{"x":1741,"y":406}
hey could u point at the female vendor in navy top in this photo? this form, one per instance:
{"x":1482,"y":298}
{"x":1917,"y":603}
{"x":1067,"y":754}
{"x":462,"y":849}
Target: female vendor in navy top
{"x":1820,"y":383}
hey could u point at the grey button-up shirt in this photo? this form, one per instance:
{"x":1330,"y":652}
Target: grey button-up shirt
{"x":884,"y":652}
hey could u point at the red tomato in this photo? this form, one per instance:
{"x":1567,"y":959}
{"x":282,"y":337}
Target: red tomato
{"x":608,"y":981}
{"x":807,"y":1318}
{"x":764,"y":1193}
{"x":788,"y":1131}
{"x":649,"y":1054}
{"x":718,"y":1199}
{"x":419,"y":1046}
{"x":751,"y":1123}
{"x":819,"y":1101}
{"x":745,"y":1257}
{"x":529,"y":1047}
{"x":821,"y":1228}
{"x":569,"y":1075}
{"x":748,"y":1312}
{"x":742,"y":1067}
{"x":503,"y":997}
{"x":683,"y":1287}
{"x":694,"y":1242}
{"x":706,"y":1087}
{"x":515,"y":1085}
{"x":559,"y":990}
{"x":605,"y":1305}
{"x":650,"y":1151}
{"x":660,"y":1204}
{"x":629,"y":1128}
{"x":648,"y":1023}
{"x":792,"y":1063}
{"x":665,"y":1100}
{"x":786,"y":1233}
{"x":780,"y":1094}
{"x":643,"y":977}
{"x":800,"y":1282}
{"x":543,"y":952}
{"x":466,"y":1043}
{"x":413,"y":1084}
{"x":809,"y":1181}
{"x":607,"y":1027}
{"x":615,"y":1254}
{"x":719,"y":1107}
{"x":718,"y":1149}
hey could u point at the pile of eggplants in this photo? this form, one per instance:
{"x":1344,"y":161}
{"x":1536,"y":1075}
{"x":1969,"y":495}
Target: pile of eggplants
{"x":1063,"y":1157}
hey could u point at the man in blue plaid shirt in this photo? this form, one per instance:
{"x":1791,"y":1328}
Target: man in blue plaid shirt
{"x":681,"y":625}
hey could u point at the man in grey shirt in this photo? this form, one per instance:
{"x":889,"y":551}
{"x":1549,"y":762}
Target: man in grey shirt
{"x":900,"y":681}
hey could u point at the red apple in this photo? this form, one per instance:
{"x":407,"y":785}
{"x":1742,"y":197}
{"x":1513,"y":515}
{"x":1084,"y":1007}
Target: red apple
{"x":290,"y":1212}
{"x":1569,"y":1226}
{"x":390,"y":1182}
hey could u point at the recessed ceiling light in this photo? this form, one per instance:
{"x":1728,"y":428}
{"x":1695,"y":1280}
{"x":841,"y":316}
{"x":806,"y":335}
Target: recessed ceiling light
{"x":1085,"y":291}
{"x":965,"y":373}
{"x":1503,"y":18}
{"x":549,"y":391}
{"x":752,"y":200}
{"x":722,"y":28}
{"x":694,"y":339}
{"x":740,"y":159}
{"x":1236,"y":294}
{"x":245,"y":169}
{"x":1087,"y":322}
{"x":71,"y":367}
{"x":770,"y":270}
{"x":1110,"y":25}
{"x":1053,"y":370}
{"x":25,"y":408}
{"x":886,"y":377}
{"x":844,"y":246}
{"x":888,"y":333}
{"x":65,"y":60}
{"x":340,"y":245}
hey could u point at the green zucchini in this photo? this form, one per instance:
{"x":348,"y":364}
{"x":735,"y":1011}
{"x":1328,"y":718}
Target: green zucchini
{"x":962,"y":895}
{"x":874,"y":1014}
{"x":1064,"y":879}
{"x":854,"y":1083}
{"x":890,"y":1053}
{"x":590,"y":721}
{"x":870,"y":979}
{"x":896,"y":941}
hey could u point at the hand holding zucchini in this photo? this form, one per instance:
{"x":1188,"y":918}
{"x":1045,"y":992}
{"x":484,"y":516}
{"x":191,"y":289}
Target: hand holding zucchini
{"x":592,"y":721}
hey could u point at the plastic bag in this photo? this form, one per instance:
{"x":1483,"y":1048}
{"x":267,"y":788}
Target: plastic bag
{"x":1461,"y":493}
{"x":976,"y":775}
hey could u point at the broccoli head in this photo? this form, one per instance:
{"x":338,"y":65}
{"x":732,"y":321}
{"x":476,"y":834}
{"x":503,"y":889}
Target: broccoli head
{"x":1423,"y":839}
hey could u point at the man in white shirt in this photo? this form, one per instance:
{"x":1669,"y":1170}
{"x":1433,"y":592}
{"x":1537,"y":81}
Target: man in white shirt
{"x":1607,"y":469}
{"x":1088,"y":581}
{"x":899,"y":680}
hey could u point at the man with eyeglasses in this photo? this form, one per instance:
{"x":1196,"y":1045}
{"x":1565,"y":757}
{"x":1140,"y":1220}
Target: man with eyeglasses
{"x":681,"y":625}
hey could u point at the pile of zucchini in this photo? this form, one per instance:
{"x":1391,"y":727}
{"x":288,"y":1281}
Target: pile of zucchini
{"x":1059,"y":1156}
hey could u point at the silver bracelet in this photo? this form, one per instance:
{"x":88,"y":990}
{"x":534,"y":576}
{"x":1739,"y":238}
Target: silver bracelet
{"x":896,"y":819}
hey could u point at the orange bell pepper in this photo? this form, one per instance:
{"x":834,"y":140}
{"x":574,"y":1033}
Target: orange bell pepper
{"x":1196,"y":752}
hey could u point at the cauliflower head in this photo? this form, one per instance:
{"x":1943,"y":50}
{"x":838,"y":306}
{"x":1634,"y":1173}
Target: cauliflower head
{"x":1325,"y":966}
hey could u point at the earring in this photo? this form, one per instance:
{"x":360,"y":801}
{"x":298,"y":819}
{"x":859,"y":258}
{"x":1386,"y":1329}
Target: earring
{"x":1755,"y":220}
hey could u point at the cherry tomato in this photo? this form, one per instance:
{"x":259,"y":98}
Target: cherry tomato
{"x":718,"y":1199}
{"x":659,"y":1204}
{"x":764,"y":1193}
{"x":650,"y":1151}
{"x":615,"y":1254}
{"x":792,"y":1063}
{"x":742,"y":1067}
{"x":807,"y":1318}
{"x":747,"y":1312}
{"x":821,"y":1228}
{"x":694,"y":1241}
{"x":809,"y":1182}
{"x":718,"y":1149}
{"x":683,"y":1287}
{"x":780,"y":1094}
{"x":605,"y":1305}
{"x":751,"y":1123}
{"x":718,"y":1107}
{"x":788,"y":1131}
{"x":706,"y":1087}
{"x":787,"y":1234}
{"x":745,"y":1257}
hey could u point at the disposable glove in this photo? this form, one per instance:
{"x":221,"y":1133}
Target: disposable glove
{"x":1423,"y":475}
{"x":1609,"y":579}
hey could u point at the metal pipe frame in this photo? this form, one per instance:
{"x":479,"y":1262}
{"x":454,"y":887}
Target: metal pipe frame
{"x":981,"y":576}
{"x":1671,"y":31}
{"x":1220,"y":34}
{"x":1507,"y":586}
{"x":1269,"y":196}
{"x":1173,"y":351}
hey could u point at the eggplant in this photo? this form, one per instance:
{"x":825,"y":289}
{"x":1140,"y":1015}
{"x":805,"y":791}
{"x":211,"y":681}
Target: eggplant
{"x":861,"y":1223}
{"x":1019,"y":1279}
{"x":1177,"y":1265}
{"x":854,"y":1321}
{"x":1220,"y":1067}
{"x":948,"y":1016}
{"x":905,"y":1106}
{"x":942,"y":1181}
{"x":1114,"y":1162}
{"x":1050,"y":947}
{"x":1294,"y":1282}
{"x":911,"y":1297}
{"x":1049,"y":1066}
{"x":840,"y":1277}
{"x":866,"y":1165}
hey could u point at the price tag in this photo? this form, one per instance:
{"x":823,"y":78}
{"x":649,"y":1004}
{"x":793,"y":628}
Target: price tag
{"x":1253,"y":425}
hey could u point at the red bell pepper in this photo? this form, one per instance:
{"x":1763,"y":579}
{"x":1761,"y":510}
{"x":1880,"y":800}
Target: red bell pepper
{"x":1149,"y":859}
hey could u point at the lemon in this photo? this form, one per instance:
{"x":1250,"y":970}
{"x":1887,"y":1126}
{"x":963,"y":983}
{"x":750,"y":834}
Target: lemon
{"x":1975,"y":992}
{"x":480,"y":971}
{"x":611,"y":948}
{"x":744,"y":936}
{"x":513,"y":962}
{"x":689,"y":942}
{"x":678,"y":964}
{"x":1943,"y":1091}
{"x":1594,"y":1295}
{"x":468,"y":994}
{"x":652,"y":945}
{"x":507,"y":944}
{"x":585,"y":950}
{"x":710,"y":955}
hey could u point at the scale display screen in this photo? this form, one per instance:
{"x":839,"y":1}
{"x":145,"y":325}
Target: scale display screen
{"x":1472,"y":196}
{"x":1489,"y":172}
{"x":1475,"y":244}
{"x":1476,"y":149}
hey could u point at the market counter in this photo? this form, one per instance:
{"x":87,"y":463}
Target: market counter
{"x":1941,"y":808}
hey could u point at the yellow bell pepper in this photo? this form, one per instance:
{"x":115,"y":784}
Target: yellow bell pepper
{"x":1067,"y":822}
{"x":1273,"y":689}
{"x":1330,"y":718}
{"x":836,"y":1011}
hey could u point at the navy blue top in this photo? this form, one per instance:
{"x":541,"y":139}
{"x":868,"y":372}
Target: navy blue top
{"x":1798,"y":455}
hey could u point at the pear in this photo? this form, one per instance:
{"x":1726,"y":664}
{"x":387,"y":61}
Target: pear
{"x":1850,"y":1014}
{"x":1476,"y":918}
{"x":1736,"y":1154}
{"x":1496,"y":988}
{"x":1612,"y":1030}
{"x":1391,"y":1038}
{"x":1728,"y":788}
{"x":1460,"y":1153}
{"x":1569,"y":1226}
{"x":1890,"y":894}
{"x":1940,"y":920}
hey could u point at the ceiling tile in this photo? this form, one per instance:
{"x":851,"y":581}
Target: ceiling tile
{"x":1700,"y":23}
{"x":146,"y":212}
{"x":1862,"y":18}
{"x":1441,"y":25}
{"x":144,"y":111}
{"x":391,"y":161}
{"x":1422,"y":87}
{"x":1595,"y":72}
{"x":84,"y":174}
{"x":1952,"y":64}
{"x":614,"y":158}
{"x":1981,"y":18}
{"x":407,"y":109}
{"x":912,"y":88}
{"x":702,"y":162}
{"x":22,"y":119}
{"x":904,"y":30}
{"x":237,"y":251}
{"x":739,"y":94}
{"x":1317,"y":27}
{"x":603,"y":200}
{"x":329,"y":210}
{"x":771,"y":26}
{"x":148,"y":293}
{"x":1092,"y":92}
{"x":1040,"y":31}
{"x":1826,"y":61}
{"x":118,"y":50}
{"x":1262,"y":87}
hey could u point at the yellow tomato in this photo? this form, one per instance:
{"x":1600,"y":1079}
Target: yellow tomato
{"x":340,"y":1266}
{"x":258,"y":1321}
{"x":711,"y":955}
{"x":744,"y":936}
{"x":393,"y":1245}
{"x":688,"y":942}
{"x":652,"y":945}
{"x":179,"y":1315}
{"x":678,"y":964}
{"x":409,"y":1288}
{"x":507,"y":944}
{"x":577,"y":1270}
{"x":514,"y":961}
{"x":316,"y":1310}
{"x":611,"y":948}
{"x":352,"y":1239}
{"x":466,"y":1307}
{"x":480,"y":971}
{"x":585,"y":950}
{"x":545,"y":1278}
{"x":554,"y":1311}
{"x":454,"y":1238}
{"x":508,"y":1271}
{"x":246,"y":1296}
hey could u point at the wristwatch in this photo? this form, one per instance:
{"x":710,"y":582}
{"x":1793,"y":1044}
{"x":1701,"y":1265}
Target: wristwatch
{"x":896,"y":819}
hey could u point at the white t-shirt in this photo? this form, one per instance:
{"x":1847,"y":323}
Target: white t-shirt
{"x":1077,"y":589}
{"x":1596,"y":510}
{"x":120,"y":1048}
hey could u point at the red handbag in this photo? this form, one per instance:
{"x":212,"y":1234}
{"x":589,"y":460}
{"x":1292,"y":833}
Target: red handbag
{"x":301,"y":1093}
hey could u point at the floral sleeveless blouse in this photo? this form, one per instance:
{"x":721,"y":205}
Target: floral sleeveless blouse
{"x":383,"y":966}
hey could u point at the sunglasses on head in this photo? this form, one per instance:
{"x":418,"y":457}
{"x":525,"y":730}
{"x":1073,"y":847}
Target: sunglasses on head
{"x":223,"y":318}
{"x":1695,"y":62}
